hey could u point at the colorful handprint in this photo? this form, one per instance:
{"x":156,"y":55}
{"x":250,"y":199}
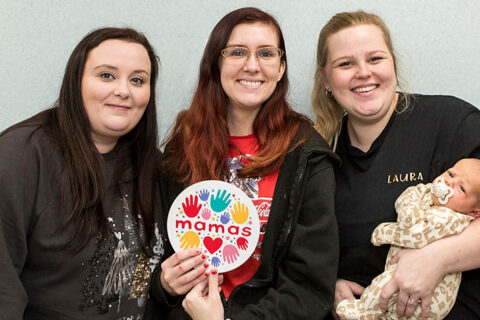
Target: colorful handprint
{"x":204,"y":194}
{"x":206,"y":213}
{"x":189,"y":240}
{"x":217,"y":218}
{"x":225,"y":218}
{"x":240,"y":213}
{"x":220,"y":202}
{"x":191,"y":206}
{"x":215,"y":262}
{"x":242,"y":243}
{"x":230,"y":253}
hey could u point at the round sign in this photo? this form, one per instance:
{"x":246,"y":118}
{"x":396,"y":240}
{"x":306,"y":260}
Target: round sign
{"x":217,"y":217}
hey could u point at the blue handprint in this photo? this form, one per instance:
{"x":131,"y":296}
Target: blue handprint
{"x":220,"y":202}
{"x":215,"y":262}
{"x":225,"y":217}
{"x":204,"y":195}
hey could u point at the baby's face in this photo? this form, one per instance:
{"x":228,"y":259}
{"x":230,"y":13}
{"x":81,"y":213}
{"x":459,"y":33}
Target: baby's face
{"x":464,"y":180}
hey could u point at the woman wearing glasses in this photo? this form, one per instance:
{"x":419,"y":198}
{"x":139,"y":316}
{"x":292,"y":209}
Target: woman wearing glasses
{"x":239,"y":114}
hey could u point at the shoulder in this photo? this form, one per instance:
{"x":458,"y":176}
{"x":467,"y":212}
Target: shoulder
{"x":315,"y":146}
{"x":20,"y":137}
{"x":442,"y":105}
{"x":26,"y":143}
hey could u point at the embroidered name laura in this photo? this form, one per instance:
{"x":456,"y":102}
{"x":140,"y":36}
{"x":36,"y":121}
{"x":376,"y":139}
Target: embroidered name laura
{"x":404,"y":177}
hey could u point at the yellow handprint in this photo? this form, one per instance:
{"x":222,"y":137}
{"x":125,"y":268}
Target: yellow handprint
{"x":240,"y":213}
{"x":189,"y":240}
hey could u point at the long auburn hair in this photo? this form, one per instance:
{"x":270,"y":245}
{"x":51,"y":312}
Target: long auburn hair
{"x":197,"y":146}
{"x":67,"y":126}
{"x":327,"y":110}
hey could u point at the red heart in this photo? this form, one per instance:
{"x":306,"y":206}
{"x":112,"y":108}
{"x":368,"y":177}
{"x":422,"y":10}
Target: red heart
{"x":212,"y":245}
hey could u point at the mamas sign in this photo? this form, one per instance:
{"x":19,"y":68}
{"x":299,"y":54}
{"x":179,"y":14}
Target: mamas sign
{"x":217,"y":217}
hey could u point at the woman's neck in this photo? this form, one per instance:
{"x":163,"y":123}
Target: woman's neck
{"x":363,"y":134}
{"x":104,"y":145}
{"x":240,"y":121}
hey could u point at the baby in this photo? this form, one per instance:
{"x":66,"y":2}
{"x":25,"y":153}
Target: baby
{"x":425,"y":213}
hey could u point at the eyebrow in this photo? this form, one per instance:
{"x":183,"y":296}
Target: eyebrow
{"x":108,"y":66}
{"x":368,"y":54}
{"x":243,"y":46}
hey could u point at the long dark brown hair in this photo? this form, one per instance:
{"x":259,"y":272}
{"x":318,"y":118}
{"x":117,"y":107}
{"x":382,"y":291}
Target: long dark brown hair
{"x":198,"y":143}
{"x":67,"y":126}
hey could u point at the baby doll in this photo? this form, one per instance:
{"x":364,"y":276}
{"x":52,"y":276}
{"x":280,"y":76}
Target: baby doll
{"x":425,"y":213}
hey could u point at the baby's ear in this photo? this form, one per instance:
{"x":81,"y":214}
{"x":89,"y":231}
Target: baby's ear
{"x":475,"y":213}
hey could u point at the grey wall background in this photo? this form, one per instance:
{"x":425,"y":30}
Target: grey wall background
{"x":437,"y":43}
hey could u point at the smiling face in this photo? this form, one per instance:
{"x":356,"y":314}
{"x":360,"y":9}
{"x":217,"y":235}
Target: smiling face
{"x":115,"y":89}
{"x":249,"y":84}
{"x":464,"y":179}
{"x":360,"y":73}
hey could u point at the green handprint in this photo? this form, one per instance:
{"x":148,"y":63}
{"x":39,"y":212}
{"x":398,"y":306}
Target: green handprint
{"x":220,"y":202}
{"x":240,"y":213}
{"x":189,"y":240}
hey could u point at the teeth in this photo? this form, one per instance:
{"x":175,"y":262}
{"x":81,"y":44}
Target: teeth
{"x":365,"y":89}
{"x":250,"y":83}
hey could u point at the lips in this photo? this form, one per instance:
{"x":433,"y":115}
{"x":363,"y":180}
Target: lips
{"x":364,"y":89}
{"x":118,"y":107}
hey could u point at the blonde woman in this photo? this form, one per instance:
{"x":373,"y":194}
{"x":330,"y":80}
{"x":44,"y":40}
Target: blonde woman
{"x":387,"y":141}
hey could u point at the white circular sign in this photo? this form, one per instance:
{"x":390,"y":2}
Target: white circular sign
{"x":217,"y":217}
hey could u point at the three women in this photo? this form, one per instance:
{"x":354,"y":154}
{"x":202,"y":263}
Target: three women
{"x":78,"y":181}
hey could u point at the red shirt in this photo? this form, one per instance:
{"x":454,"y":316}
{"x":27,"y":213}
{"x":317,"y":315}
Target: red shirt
{"x":260,"y":190}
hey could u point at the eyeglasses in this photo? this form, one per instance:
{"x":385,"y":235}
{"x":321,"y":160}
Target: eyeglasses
{"x":265,"y":55}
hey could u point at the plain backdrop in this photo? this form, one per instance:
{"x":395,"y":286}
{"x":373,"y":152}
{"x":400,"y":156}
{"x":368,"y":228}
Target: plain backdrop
{"x":437,"y":43}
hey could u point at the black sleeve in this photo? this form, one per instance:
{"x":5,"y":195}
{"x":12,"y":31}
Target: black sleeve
{"x":466,"y":140}
{"x":305,"y":286}
{"x":18,"y":184}
{"x":169,"y":190}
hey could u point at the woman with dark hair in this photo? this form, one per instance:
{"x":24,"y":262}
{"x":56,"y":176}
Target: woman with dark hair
{"x":78,"y":226}
{"x":239,"y":115}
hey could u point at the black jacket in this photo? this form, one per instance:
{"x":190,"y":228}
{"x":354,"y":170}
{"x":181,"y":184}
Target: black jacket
{"x":296,"y":277}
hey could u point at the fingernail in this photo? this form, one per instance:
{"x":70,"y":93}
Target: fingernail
{"x":203,"y":256}
{"x":205,"y":265}
{"x":206,"y":274}
{"x":214,"y":271}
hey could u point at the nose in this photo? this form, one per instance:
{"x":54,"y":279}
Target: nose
{"x":450,"y":181}
{"x":252,"y":64}
{"x":363,"y":71}
{"x":122,"y":90}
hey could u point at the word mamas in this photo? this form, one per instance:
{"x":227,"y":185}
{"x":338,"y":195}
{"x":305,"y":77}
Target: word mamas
{"x":213,"y":227}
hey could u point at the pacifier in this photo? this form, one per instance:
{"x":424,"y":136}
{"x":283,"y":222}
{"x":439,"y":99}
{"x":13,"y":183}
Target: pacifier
{"x":441,"y":190}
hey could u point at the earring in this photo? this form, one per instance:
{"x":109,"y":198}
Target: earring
{"x":328,"y":93}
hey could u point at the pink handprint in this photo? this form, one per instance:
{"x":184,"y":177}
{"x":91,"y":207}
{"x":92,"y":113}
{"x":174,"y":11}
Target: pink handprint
{"x":191,"y":208}
{"x":206,"y":213}
{"x":230,"y":253}
{"x":242,"y":243}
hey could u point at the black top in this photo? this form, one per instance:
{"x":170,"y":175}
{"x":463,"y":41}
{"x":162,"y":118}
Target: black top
{"x":297,"y":273}
{"x":40,"y":278}
{"x":416,"y":146}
